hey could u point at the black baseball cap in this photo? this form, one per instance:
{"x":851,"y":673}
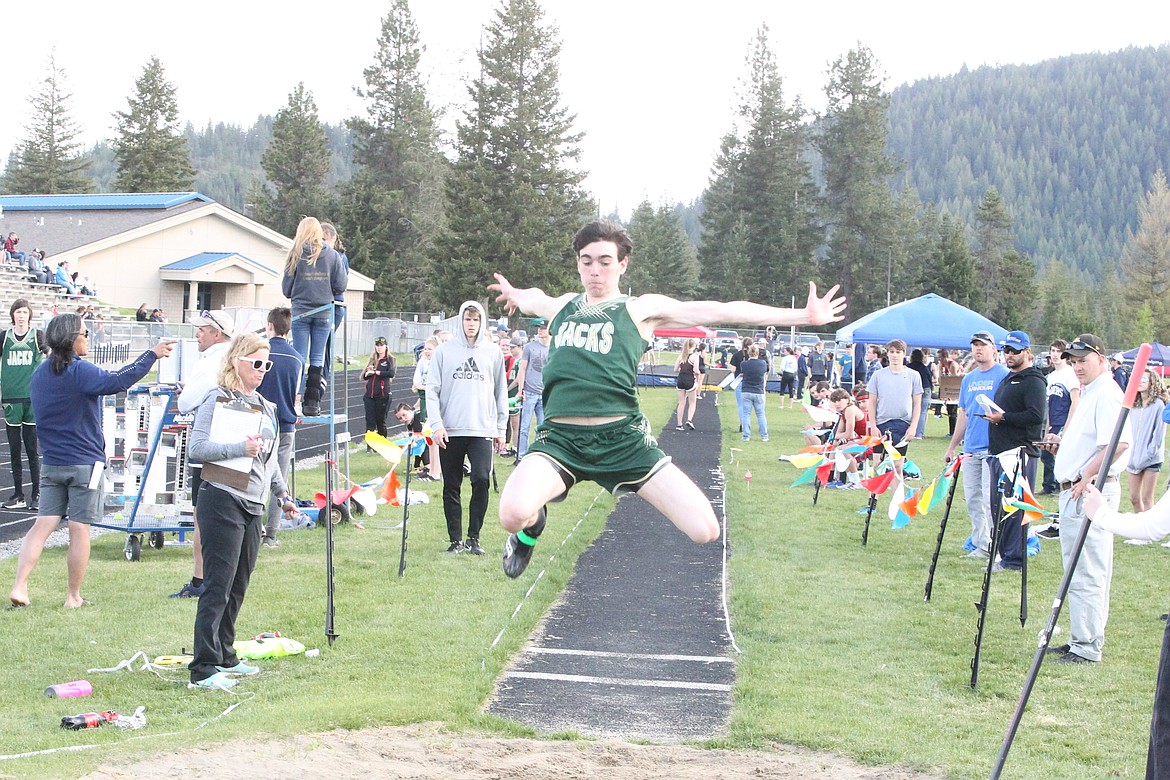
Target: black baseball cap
{"x":1084,"y":344}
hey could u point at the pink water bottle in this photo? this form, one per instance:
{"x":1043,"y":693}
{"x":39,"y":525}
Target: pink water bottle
{"x":69,"y":690}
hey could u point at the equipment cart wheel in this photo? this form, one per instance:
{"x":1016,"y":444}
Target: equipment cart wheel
{"x":133,"y":547}
{"x":158,"y":540}
{"x":339,"y":513}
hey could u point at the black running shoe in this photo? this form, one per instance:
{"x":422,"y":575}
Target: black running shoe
{"x":517,"y":553}
{"x":473,"y":547}
{"x":16,"y":502}
{"x":455,"y":548}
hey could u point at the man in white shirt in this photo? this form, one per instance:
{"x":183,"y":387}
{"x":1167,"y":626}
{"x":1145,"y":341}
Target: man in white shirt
{"x":213,"y":331}
{"x":1080,"y":452}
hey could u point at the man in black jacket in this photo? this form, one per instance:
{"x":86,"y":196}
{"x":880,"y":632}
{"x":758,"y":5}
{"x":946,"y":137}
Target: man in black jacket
{"x":1022,"y":395}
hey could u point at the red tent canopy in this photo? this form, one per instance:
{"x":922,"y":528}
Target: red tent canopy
{"x":697,"y":332}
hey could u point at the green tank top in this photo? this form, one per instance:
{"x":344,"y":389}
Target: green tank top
{"x":592,"y":368}
{"x":21,"y":356}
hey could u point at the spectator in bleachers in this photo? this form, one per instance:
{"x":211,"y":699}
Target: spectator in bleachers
{"x":37,"y":271}
{"x":64,"y":279}
{"x":10,"y":247}
{"x":142,"y":315}
{"x":82,"y":284}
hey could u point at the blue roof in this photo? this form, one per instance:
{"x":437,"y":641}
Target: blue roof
{"x":195,"y":262}
{"x":99,"y":202}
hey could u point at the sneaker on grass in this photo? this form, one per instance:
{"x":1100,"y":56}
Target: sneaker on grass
{"x":217,"y":681}
{"x":189,"y":591}
{"x":455,"y":548}
{"x":242,"y":669}
{"x":473,"y":547}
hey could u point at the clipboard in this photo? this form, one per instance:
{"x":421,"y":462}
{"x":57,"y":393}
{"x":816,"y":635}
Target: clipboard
{"x":232,"y":421}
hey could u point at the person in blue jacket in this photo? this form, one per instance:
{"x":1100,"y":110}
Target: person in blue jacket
{"x":66,"y":395}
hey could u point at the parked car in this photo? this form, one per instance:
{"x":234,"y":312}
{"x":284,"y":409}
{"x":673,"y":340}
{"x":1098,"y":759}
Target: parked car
{"x":727,"y":338}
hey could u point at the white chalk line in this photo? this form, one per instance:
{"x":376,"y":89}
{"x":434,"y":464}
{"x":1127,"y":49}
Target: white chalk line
{"x":583,"y":678}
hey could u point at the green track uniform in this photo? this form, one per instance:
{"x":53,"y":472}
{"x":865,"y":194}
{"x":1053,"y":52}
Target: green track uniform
{"x":19,"y":358}
{"x":592,"y":371}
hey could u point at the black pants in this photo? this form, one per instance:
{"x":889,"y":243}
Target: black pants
{"x":1158,"y":759}
{"x":1013,"y":535}
{"x":478,"y":450}
{"x":376,"y":413}
{"x":230,"y":531}
{"x":29,"y":434}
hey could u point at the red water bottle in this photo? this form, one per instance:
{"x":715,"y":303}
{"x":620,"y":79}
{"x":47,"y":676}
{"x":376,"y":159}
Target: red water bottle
{"x":87,"y":720}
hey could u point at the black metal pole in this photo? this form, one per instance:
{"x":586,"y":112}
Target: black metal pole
{"x":1070,"y":568}
{"x":406,"y":504}
{"x":942,"y":529}
{"x":869,"y":514}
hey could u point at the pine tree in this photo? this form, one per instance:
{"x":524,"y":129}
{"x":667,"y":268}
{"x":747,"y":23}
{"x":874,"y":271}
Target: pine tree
{"x":762,"y":183}
{"x":49,"y":161}
{"x":393,"y":207}
{"x":859,"y":206}
{"x":951,"y":273}
{"x":150,"y":148}
{"x":1145,"y":260}
{"x":514,"y":198}
{"x":663,"y":260}
{"x":1006,"y":276}
{"x":295,"y":163}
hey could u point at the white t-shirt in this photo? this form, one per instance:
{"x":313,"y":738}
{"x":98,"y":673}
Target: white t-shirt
{"x":1091,"y":428}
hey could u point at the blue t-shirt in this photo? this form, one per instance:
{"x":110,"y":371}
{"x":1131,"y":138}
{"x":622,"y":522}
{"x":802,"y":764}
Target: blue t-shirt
{"x":975,"y":383}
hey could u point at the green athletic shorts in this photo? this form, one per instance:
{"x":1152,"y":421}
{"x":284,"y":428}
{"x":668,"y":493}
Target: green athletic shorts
{"x":19,"y":413}
{"x":620,"y":455}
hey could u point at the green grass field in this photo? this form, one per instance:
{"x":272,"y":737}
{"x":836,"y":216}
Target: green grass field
{"x":839,"y":650}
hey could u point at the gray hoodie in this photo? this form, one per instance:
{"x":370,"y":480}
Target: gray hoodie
{"x":467,"y":388}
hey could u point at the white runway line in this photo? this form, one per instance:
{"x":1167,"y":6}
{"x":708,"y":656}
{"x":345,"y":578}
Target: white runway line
{"x":581,"y":678}
{"x":706,"y":659}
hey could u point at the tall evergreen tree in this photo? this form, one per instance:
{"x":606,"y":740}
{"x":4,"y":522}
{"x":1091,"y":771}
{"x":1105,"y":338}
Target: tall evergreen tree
{"x":150,"y":147}
{"x":762,"y":183}
{"x":514,"y":198}
{"x":49,"y":161}
{"x":951,"y":272}
{"x":393,"y":207}
{"x":1145,"y":260}
{"x":858,"y":203}
{"x":663,"y":260}
{"x":1006,"y":276}
{"x":295,"y":163}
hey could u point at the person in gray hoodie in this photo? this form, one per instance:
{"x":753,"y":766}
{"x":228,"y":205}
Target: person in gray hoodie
{"x":467,"y":407}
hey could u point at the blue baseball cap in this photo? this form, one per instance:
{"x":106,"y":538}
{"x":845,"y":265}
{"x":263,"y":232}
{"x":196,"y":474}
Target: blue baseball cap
{"x":1017,"y":340}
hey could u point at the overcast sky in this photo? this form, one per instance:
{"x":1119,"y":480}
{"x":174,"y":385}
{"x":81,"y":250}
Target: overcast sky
{"x":652,"y":84}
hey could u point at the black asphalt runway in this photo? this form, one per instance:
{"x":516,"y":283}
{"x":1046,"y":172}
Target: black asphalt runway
{"x":311,"y":440}
{"x":637,"y":647}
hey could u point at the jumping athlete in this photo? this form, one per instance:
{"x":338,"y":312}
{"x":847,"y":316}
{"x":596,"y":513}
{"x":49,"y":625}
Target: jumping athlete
{"x":594,"y":429}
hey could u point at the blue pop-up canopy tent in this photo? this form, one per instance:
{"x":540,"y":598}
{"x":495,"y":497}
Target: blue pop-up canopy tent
{"x":926,"y":321}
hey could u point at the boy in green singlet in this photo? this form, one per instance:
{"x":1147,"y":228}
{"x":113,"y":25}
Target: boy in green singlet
{"x":21,"y":351}
{"x":593,"y":428}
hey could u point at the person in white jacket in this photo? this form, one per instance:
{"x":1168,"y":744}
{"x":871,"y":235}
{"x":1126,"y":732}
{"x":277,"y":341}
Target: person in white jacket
{"x":1150,"y":525}
{"x":213,"y":333}
{"x":467,"y":407}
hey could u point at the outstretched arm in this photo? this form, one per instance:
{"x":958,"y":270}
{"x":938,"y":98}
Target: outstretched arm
{"x":532,"y":300}
{"x":661,"y":311}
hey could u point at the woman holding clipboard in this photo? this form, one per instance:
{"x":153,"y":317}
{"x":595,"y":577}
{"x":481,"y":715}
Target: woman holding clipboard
{"x":234,"y":436}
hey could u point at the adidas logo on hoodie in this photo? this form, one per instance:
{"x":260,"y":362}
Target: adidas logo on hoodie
{"x":469,"y":370}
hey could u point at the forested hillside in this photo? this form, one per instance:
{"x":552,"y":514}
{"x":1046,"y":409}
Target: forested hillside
{"x":1071,"y":145}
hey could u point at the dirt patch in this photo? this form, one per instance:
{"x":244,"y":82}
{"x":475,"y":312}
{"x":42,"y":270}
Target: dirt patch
{"x":426,"y":752}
